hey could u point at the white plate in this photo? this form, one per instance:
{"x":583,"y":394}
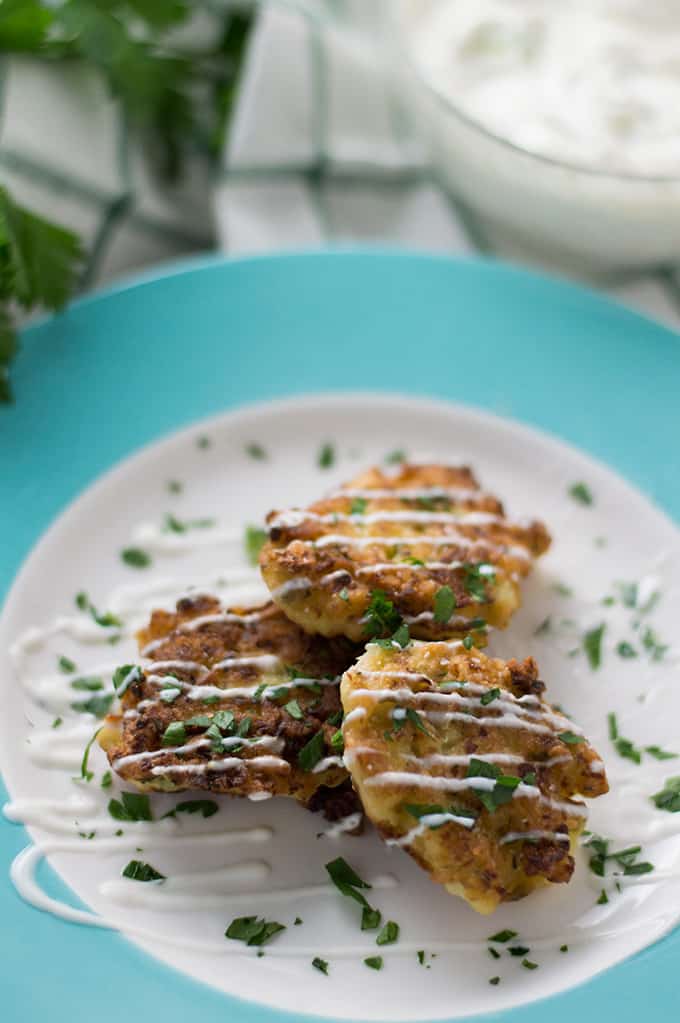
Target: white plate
{"x":620,"y":537}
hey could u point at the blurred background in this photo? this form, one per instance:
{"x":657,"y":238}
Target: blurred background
{"x":135,"y":132}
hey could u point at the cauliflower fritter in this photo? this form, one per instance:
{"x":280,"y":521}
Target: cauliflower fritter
{"x":425,"y":537}
{"x":458,"y":759}
{"x":239,"y":701}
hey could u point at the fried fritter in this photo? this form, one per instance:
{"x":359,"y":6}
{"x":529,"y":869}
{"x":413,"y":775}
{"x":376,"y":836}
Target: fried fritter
{"x":238,"y":701}
{"x":427,"y":538}
{"x":458,"y":759}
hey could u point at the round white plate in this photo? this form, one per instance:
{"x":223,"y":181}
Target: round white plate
{"x":268,"y":858}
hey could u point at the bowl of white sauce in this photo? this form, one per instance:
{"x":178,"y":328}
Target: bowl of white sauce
{"x":556,"y":121}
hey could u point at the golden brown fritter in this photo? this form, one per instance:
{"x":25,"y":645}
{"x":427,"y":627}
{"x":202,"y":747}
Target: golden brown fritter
{"x":241,"y":702}
{"x":426,"y":537}
{"x":458,"y":759}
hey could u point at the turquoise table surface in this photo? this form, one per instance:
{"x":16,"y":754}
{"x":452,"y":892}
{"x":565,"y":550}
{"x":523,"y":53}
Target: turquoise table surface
{"x":119,"y":370}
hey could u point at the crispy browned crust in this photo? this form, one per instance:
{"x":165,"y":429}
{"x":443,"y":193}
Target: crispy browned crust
{"x":145,"y":717}
{"x":473,"y":863}
{"x":326,"y":588}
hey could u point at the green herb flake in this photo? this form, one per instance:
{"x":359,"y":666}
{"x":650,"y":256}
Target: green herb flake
{"x":320,"y":964}
{"x":613,"y":727}
{"x":135,"y":557}
{"x":592,"y":644}
{"x":370,"y":918}
{"x":603,"y":898}
{"x":493,"y":953}
{"x":395,"y":457}
{"x":312,"y":752}
{"x":85,"y":773}
{"x":626,"y":650}
{"x":652,"y":644}
{"x":138,"y":871}
{"x":626,"y":749}
{"x":293,"y":708}
{"x":358,"y":506}
{"x":381,"y":618}
{"x":487,"y":698}
{"x":475,"y":579}
{"x":124,"y":676}
{"x":581,"y":493}
{"x":99,"y":706}
{"x":338,"y":741}
{"x":669,"y":797}
{"x":106,"y":620}
{"x":468,"y":642}
{"x":174,"y":487}
{"x":528,"y":965}
{"x":564,"y":948}
{"x":415,"y":719}
{"x":175,"y":734}
{"x":297,"y":921}
{"x":544,"y":628}
{"x":57,"y":722}
{"x":256,"y":452}
{"x":347,"y":881}
{"x":389,"y":934}
{"x":87,"y":683}
{"x":421,"y":956}
{"x":254,"y":540}
{"x":107,"y":780}
{"x":444,"y":604}
{"x":253,"y":930}
{"x":570,"y":738}
{"x":660,"y":754}
{"x":204,"y":807}
{"x":518,"y":950}
{"x":326,"y":456}
{"x":494,"y":980}
{"x":203,"y":442}
{"x":132,"y":806}
{"x":67,"y":665}
{"x":374,"y":962}
{"x":563,"y":589}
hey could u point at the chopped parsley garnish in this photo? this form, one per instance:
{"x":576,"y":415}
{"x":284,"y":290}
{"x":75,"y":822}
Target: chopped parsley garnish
{"x":358,"y":506}
{"x":338,"y":741}
{"x":326,"y":456}
{"x":206,"y":808}
{"x":660,"y":754}
{"x":626,"y":749}
{"x":138,"y":871}
{"x":293,"y":708}
{"x":57,"y":722}
{"x":564,"y":948}
{"x":107,"y":780}
{"x":476,"y":577}
{"x":421,"y":956}
{"x":503,"y":936}
{"x":652,"y":644}
{"x":571,"y":738}
{"x":592,"y":644}
{"x":504,"y":787}
{"x":124,"y":676}
{"x":374,"y":962}
{"x":85,"y":773}
{"x":97,"y":705}
{"x":106,"y":619}
{"x":132,"y":806}
{"x":67,"y":665}
{"x":528,"y":965}
{"x":444,"y":604}
{"x":135,"y":557}
{"x":415,"y":719}
{"x":87,"y":683}
{"x":171,"y":524}
{"x":297,"y":921}
{"x":544,"y":627}
{"x":669,"y":796}
{"x":170,"y":692}
{"x":395,"y":457}
{"x":468,"y":642}
{"x":175,"y":487}
{"x":370,"y":919}
{"x":494,"y":980}
{"x":203,"y":442}
{"x":312,"y":752}
{"x":382,"y":618}
{"x":175,"y":734}
{"x":624,"y":858}
{"x":253,"y":930}
{"x":389,"y":934}
{"x":254,"y":540}
{"x":518,"y":950}
{"x":348,"y":882}
{"x":487,"y":698}
{"x":256,"y":451}
{"x":581,"y":493}
{"x":626,"y":650}
{"x":603,"y":899}
{"x":493,"y":953}
{"x":320,"y":964}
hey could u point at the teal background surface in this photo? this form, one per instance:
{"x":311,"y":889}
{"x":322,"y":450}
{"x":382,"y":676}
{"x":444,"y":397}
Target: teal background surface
{"x":122,"y":369}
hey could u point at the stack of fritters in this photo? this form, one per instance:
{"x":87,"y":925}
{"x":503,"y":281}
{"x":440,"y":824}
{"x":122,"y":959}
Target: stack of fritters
{"x":456,"y":756}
